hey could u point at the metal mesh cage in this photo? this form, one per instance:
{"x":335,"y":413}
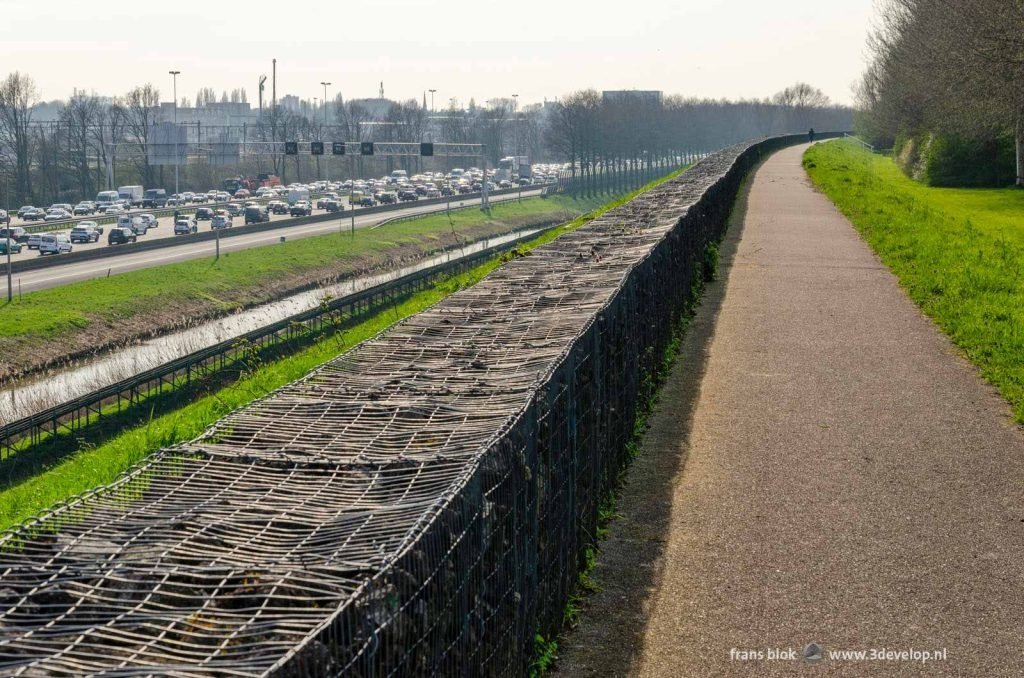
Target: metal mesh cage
{"x":418,"y":505}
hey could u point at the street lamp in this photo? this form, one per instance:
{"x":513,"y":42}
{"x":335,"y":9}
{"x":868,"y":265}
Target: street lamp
{"x":325,"y":84}
{"x":432,"y":110}
{"x":174,"y":74}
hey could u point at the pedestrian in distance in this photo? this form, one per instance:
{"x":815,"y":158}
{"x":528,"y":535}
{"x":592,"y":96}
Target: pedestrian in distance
{"x":810,"y":135}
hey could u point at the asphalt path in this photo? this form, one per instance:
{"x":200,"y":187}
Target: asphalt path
{"x":55,"y":276}
{"x":837,"y":474}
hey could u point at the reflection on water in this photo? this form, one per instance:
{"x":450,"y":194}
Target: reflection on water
{"x":22,"y":399}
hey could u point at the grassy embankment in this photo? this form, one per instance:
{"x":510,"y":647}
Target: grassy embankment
{"x":66,"y":320}
{"x":100,"y":465}
{"x":959,"y":253}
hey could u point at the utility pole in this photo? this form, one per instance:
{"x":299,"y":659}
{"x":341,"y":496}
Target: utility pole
{"x":174,"y":75}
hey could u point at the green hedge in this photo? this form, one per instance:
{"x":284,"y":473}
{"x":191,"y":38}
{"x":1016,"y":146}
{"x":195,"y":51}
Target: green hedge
{"x":952,"y":161}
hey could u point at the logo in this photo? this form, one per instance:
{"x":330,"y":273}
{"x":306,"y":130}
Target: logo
{"x":813,"y":652}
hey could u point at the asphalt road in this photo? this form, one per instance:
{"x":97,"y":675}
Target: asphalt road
{"x":55,"y":276}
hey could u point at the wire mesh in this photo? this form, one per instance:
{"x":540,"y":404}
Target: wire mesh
{"x":419,"y":505}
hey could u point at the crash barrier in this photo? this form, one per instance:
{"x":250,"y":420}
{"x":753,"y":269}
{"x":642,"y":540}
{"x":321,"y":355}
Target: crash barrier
{"x":75,"y":415}
{"x":417,"y":506}
{"x":205,"y":236}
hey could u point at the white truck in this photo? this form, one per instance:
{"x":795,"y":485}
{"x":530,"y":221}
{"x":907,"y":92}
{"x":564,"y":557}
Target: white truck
{"x":133,"y":194}
{"x":297,"y":194}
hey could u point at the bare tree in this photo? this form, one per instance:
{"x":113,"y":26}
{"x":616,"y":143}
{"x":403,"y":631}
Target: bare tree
{"x":79,"y":116}
{"x":141,"y":112}
{"x":18,"y":95}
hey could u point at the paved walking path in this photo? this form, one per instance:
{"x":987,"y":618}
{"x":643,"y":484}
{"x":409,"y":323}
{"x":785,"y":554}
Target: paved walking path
{"x":823,"y":467}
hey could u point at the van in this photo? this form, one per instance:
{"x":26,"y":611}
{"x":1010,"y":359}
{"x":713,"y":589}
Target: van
{"x":105,"y":199}
{"x":154,"y":197}
{"x":298,"y":194}
{"x":54,"y":243}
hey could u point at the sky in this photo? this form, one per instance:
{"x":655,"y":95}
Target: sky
{"x":538,"y":49}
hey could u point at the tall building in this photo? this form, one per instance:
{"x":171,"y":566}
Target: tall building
{"x":632,"y":97}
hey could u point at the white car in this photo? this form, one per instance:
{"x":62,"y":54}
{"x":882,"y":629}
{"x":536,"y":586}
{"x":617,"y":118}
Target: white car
{"x":57,"y":215}
{"x":149,"y":220}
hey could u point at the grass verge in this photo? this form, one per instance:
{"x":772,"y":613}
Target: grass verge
{"x":100,"y":465}
{"x":48,"y":326}
{"x":959,"y":253}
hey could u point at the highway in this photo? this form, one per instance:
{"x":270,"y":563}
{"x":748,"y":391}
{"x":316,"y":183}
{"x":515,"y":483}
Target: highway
{"x":55,"y":276}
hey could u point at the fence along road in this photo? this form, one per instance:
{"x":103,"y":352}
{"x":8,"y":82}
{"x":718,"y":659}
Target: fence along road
{"x":418,"y":505}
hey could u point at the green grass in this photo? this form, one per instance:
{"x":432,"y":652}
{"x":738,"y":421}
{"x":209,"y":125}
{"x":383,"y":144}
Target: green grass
{"x":100,"y":465}
{"x":222,"y":284}
{"x":959,"y":253}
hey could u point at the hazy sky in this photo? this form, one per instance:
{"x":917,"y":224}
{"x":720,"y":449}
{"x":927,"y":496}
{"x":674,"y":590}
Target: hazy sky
{"x":481,"y":49}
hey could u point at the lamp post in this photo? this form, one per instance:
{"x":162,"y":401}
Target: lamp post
{"x":432,"y":99}
{"x":174,"y":75}
{"x":325,"y":84}
{"x":515,"y":121}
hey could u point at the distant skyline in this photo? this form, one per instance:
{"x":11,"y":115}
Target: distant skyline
{"x":714,"y":48}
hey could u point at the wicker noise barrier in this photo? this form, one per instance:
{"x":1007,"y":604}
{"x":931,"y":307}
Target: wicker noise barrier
{"x":417,"y":506}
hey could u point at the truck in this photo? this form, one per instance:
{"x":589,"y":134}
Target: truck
{"x":154,"y":197}
{"x":252,"y":185}
{"x":297,"y":194}
{"x":133,"y":194}
{"x":508,"y":166}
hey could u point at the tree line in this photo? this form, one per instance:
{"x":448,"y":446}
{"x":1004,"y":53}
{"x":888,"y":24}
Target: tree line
{"x":943,"y":89}
{"x":97,"y":141}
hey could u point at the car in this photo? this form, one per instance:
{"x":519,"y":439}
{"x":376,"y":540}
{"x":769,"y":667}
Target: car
{"x":84,"y":233}
{"x":220,"y":221}
{"x":58,"y":214}
{"x":388,"y":198}
{"x":256,"y":214}
{"x":33,"y":241}
{"x":84,"y":208}
{"x":114,"y":210}
{"x":301,"y":209}
{"x":119,"y":235}
{"x":367,"y":201}
{"x":242,"y":193}
{"x":333,"y":205}
{"x":15,"y":247}
{"x":92,"y":224}
{"x":26,"y":208}
{"x":234,"y":209}
{"x":137,"y":225}
{"x":204,"y":214}
{"x":278,"y":206}
{"x":54,"y":243}
{"x":408,"y":196}
{"x":433,"y":193}
{"x":17,"y":234}
{"x":184,"y":225}
{"x":60,"y":206}
{"x":5,"y":217}
{"x":34,"y":214}
{"x":149,"y":220}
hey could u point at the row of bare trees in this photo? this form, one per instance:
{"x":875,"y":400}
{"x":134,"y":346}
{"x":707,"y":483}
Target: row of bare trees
{"x":97,"y":141}
{"x":70,"y":154}
{"x":950,"y":67}
{"x":588,"y":129}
